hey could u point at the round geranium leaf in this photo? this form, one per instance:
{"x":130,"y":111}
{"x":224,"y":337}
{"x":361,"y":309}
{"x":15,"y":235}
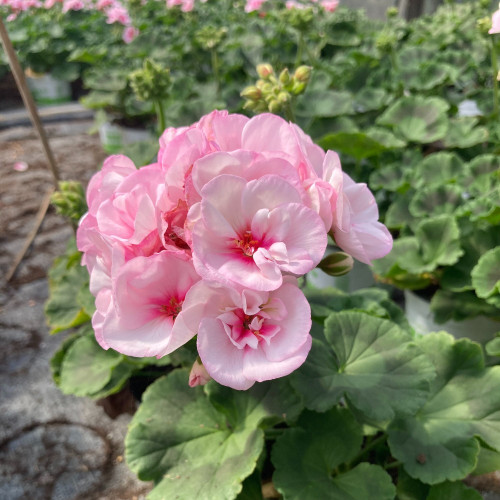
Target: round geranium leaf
{"x":355,"y":144}
{"x":371,"y":361}
{"x":198,"y":446}
{"x":486,"y":274}
{"x":438,"y":169}
{"x":453,"y":491}
{"x":418,"y":119}
{"x":306,"y":456}
{"x":436,"y":200}
{"x":463,"y":133}
{"x":440,"y":442}
{"x":88,"y":370}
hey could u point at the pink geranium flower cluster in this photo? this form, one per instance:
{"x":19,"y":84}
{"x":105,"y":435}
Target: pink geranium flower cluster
{"x":210,"y":240}
{"x":185,"y":5}
{"x":327,"y":5}
{"x":114,"y":10}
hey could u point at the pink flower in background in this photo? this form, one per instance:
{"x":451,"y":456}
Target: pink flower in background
{"x":129,"y":34}
{"x":142,"y":314}
{"x":72,"y":5}
{"x":117,"y":13}
{"x":495,"y":22}
{"x":246,"y":336}
{"x":250,"y":233}
{"x":329,"y":5}
{"x":252,"y":5}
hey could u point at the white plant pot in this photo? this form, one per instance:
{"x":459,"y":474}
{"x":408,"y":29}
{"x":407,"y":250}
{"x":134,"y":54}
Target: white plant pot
{"x":418,"y":312}
{"x":359,"y":277}
{"x":114,"y":137}
{"x":48,"y":90}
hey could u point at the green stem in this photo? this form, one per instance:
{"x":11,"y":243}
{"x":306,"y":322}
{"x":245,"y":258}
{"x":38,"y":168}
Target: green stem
{"x":370,"y":445}
{"x":393,"y":465}
{"x":494,"y":64}
{"x":289,"y":114}
{"x":215,"y":69}
{"x":160,"y":113}
{"x":300,"y":50}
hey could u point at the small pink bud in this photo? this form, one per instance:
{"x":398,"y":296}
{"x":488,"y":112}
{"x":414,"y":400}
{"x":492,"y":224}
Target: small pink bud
{"x":198,"y":375}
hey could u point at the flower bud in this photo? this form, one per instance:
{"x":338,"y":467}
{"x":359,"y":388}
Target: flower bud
{"x":252,"y":93}
{"x":303,"y":74}
{"x":484,"y":25}
{"x":298,"y":88}
{"x":283,"y":97}
{"x":264,"y":70}
{"x":336,"y":264}
{"x":274,"y":106}
{"x":285,"y":77}
{"x":69,"y":200}
{"x":199,"y":374}
{"x":392,"y":12}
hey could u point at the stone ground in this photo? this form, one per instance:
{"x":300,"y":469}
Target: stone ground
{"x":52,"y":446}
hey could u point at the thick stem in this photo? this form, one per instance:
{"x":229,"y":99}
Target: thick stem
{"x":494,"y":64}
{"x":300,"y":50}
{"x":370,"y":445}
{"x":289,"y":114}
{"x":215,"y":69}
{"x":160,"y":113}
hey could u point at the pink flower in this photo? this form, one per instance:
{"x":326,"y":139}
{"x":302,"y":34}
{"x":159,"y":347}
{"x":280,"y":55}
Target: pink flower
{"x":72,"y":5}
{"x":198,"y":375}
{"x":118,"y":14}
{"x":250,"y":233}
{"x":129,"y":33}
{"x":495,"y":22}
{"x":125,"y":205}
{"x":252,"y":5}
{"x":330,"y":5}
{"x":142,"y":313}
{"x":246,"y":336}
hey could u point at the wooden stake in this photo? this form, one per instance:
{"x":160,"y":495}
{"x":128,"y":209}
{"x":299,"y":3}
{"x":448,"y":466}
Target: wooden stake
{"x":31,"y":236}
{"x":28,"y":100}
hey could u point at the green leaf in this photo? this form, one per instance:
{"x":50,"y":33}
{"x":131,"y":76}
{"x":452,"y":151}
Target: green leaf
{"x":438,"y":241}
{"x":486,"y":274}
{"x":370,"y":361}
{"x":370,"y":99}
{"x":475,"y":243}
{"x":418,"y":119}
{"x":409,"y":488}
{"x":87,"y":368}
{"x":453,"y":491}
{"x":324,"y":103}
{"x":463,"y":133}
{"x":66,"y":279}
{"x":179,"y":439}
{"x":391,"y":178}
{"x":373,"y":301}
{"x":456,"y":306}
{"x":487,"y":461}
{"x":484,"y":164}
{"x":58,"y":357}
{"x":356,"y":144}
{"x":398,"y":214}
{"x":385,"y":137}
{"x":306,"y":456}
{"x":436,"y":200}
{"x":493,"y":347}
{"x":440,"y":442}
{"x":438,"y":169}
{"x":252,"y":487}
{"x":391,"y":270}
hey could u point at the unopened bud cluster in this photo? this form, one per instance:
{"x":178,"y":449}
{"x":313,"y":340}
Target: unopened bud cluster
{"x":69,"y":200}
{"x":484,"y":25}
{"x":151,"y":82}
{"x":210,"y":37}
{"x":272,"y":93}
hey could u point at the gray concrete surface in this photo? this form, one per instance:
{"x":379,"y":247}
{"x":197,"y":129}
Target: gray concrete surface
{"x":52,"y":446}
